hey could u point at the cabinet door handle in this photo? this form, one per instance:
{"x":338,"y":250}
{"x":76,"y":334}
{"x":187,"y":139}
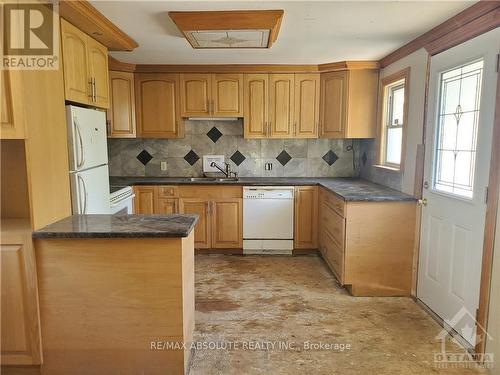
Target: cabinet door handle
{"x":91,"y":83}
{"x":95,"y":91}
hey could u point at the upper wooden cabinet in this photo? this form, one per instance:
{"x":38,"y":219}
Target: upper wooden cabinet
{"x":85,"y":63}
{"x":158,"y":105}
{"x":121,"y":112}
{"x":256,"y":105}
{"x":281,"y":105}
{"x":11,"y":108}
{"x":349,"y":104}
{"x":282,"y":102}
{"x":211,"y":95}
{"x":227,"y":95}
{"x":306,"y":118}
{"x":195,"y":95}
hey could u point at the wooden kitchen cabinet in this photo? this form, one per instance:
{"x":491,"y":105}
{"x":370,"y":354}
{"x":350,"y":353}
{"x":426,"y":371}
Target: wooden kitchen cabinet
{"x":144,"y":200}
{"x":227,"y":95}
{"x":256,"y":105}
{"x":121,"y":112}
{"x":281,"y":105}
{"x":158,"y":105}
{"x":20,"y":327}
{"x":85,"y":64}
{"x":348,"y":107}
{"x":167,"y":206}
{"x":203,"y":229}
{"x":306,"y":117}
{"x":227,"y":216}
{"x":306,"y":217}
{"x":11,"y":106}
{"x":211,"y":95}
{"x":369,"y":253}
{"x":196,"y":91}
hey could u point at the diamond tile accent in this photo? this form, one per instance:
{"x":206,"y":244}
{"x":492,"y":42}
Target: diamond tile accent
{"x":214,"y":134}
{"x":191,"y":157}
{"x":284,"y":157}
{"x":238,"y":158}
{"x":330,"y":157}
{"x":144,"y":157}
{"x":364,"y":158}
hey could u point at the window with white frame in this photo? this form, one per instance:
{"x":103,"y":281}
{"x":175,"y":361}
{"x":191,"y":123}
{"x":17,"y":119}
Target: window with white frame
{"x":393,"y":120}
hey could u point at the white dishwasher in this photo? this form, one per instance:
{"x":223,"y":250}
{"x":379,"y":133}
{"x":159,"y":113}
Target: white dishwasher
{"x":268,"y":219}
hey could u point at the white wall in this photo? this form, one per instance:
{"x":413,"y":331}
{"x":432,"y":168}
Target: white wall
{"x":493,"y":329}
{"x":404,"y":181}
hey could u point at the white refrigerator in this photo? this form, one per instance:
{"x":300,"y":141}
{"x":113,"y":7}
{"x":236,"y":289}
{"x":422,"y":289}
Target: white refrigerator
{"x":88,"y":160}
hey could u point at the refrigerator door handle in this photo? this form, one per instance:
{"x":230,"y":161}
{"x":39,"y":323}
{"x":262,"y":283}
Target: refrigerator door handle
{"x":81,"y":158}
{"x":79,"y":196}
{"x":84,"y":196}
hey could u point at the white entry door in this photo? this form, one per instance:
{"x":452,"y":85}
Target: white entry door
{"x":461,"y":108}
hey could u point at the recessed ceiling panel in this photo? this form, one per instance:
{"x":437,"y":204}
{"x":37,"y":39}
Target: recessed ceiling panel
{"x":228,"y":39}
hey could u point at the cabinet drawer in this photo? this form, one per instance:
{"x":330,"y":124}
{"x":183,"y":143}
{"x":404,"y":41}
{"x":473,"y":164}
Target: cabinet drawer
{"x":333,"y":223}
{"x":335,"y":203}
{"x":167,"y":191}
{"x":334,"y":255}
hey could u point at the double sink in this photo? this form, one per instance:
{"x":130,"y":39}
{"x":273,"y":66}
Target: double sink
{"x":213,"y":179}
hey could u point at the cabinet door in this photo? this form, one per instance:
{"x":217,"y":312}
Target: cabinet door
{"x":144,"y":201}
{"x":306,"y":217}
{"x":157,"y":106}
{"x":333,"y":104}
{"x":202,"y":231}
{"x":256,"y":104}
{"x":11,"y":106}
{"x":227,"y":223}
{"x":195,"y":95}
{"x":167,"y":206}
{"x":20,"y":328}
{"x":281,"y":107}
{"x":306,"y":105}
{"x":121,"y":113}
{"x":227,"y":95}
{"x":77,"y":85}
{"x":97,"y":55}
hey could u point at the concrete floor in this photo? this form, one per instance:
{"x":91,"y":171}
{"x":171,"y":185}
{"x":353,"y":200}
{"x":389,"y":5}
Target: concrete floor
{"x":255,"y":300}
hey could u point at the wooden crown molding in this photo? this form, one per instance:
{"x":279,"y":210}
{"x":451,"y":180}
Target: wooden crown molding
{"x":92,"y":22}
{"x":114,"y":64}
{"x":229,"y":20}
{"x":451,"y":32}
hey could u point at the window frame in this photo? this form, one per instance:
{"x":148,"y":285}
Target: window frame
{"x":400,"y":78}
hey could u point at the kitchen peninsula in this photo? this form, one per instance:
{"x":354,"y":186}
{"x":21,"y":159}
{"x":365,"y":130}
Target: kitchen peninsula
{"x":111,"y":287}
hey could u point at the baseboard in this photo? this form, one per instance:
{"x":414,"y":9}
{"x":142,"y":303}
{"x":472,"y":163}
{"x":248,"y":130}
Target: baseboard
{"x":240,"y":251}
{"x":305,"y":252}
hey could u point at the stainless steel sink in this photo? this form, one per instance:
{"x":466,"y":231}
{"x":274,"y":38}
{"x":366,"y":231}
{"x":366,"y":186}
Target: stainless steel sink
{"x":227,"y":179}
{"x":202,"y":179}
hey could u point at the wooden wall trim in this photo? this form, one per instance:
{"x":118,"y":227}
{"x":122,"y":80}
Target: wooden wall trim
{"x":92,"y":22}
{"x":480,"y":25}
{"x":114,"y":64}
{"x":451,"y":25}
{"x":489,"y":228}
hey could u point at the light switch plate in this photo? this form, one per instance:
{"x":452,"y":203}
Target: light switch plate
{"x":208,"y":159}
{"x":163,"y":165}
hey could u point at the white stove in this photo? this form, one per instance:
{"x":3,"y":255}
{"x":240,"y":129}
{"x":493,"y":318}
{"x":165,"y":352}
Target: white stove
{"x":122,"y":200}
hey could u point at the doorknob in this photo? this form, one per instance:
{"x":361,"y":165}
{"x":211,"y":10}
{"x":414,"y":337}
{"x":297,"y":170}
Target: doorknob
{"x":426,"y":185}
{"x":422,"y":202}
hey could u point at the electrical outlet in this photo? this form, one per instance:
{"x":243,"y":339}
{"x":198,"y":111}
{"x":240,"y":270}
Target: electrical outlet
{"x":268,"y":166}
{"x":163,"y":165}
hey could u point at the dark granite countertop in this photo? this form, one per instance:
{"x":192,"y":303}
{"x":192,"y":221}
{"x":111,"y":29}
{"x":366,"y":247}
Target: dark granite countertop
{"x":349,"y":189}
{"x":119,"y":226}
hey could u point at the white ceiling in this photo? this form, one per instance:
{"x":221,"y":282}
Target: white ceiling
{"x":312,"y":32}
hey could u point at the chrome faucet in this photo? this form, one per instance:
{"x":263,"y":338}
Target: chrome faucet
{"x":227,"y":170}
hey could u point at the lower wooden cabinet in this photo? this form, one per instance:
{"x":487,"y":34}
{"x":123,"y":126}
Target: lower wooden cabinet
{"x":368,"y":245}
{"x":202,"y":231}
{"x":166,"y":206}
{"x":20,"y":328}
{"x":144,"y":201}
{"x":306,"y":217}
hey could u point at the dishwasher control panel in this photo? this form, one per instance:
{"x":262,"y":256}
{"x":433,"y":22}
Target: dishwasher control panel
{"x":268,"y":192}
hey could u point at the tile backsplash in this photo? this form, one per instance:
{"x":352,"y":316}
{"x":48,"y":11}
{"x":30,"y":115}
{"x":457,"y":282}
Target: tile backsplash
{"x":248,"y":157}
